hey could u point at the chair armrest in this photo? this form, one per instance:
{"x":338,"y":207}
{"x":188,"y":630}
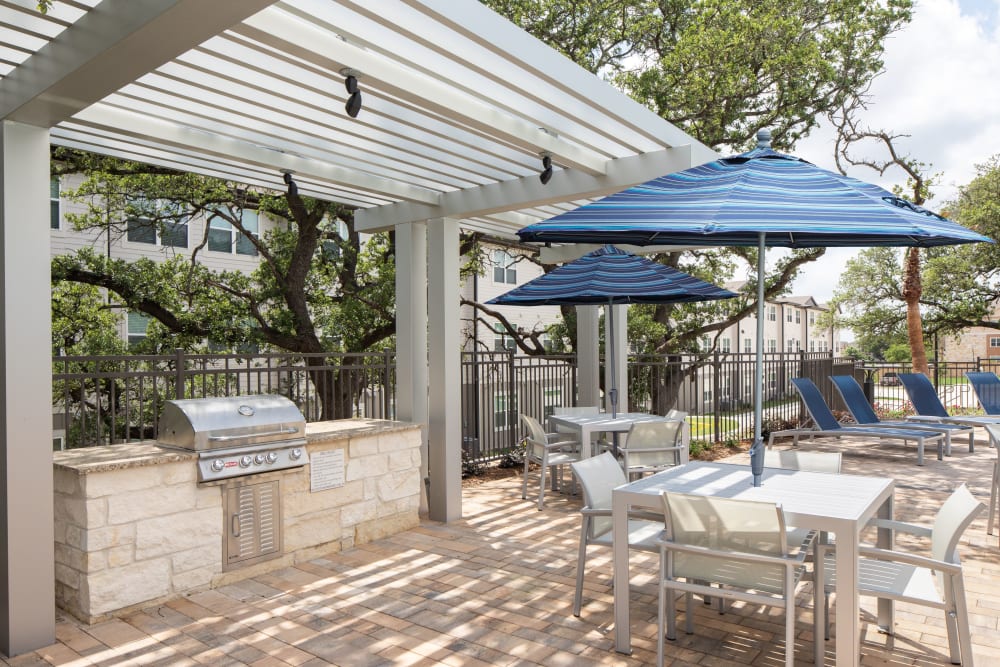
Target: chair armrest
{"x":913,"y":529}
{"x":651,"y":450}
{"x":910,"y":559}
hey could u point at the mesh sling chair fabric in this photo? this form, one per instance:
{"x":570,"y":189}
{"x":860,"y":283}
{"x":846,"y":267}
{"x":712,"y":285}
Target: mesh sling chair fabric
{"x":598,"y":475}
{"x":987,"y":387}
{"x":828,"y":426}
{"x":859,"y":407}
{"x":740,"y":545}
{"x":935,"y":581}
{"x":925,"y":400}
{"x":548,"y":450}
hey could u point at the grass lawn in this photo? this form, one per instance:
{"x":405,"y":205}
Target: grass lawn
{"x":705,"y":425}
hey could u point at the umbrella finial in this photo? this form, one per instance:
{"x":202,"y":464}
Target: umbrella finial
{"x":763,"y":138}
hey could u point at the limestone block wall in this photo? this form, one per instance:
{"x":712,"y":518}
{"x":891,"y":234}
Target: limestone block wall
{"x":133,"y":526}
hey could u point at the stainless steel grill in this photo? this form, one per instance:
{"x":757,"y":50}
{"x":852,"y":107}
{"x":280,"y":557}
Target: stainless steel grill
{"x":236,"y":435}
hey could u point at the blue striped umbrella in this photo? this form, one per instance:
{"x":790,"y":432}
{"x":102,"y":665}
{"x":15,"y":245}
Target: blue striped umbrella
{"x":609,"y":276}
{"x":760,"y":198}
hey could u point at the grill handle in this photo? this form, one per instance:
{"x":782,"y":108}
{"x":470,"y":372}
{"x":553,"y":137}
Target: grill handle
{"x":228,"y":438}
{"x":236,"y":525}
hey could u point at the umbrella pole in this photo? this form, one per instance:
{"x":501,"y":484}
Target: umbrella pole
{"x":613,"y":392}
{"x":757,"y":448}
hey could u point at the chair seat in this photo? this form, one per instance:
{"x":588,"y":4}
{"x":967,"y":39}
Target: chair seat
{"x":641,"y":535}
{"x":887,"y":579}
{"x":559,"y":457}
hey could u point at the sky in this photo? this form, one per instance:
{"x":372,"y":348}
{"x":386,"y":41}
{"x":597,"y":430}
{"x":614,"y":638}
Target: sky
{"x":941,"y":86}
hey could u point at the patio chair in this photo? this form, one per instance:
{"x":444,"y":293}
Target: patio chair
{"x":549,"y":450}
{"x":994,"y":432}
{"x":987,"y":387}
{"x":827,"y":425}
{"x":934,"y":581}
{"x":740,"y":545}
{"x":927,"y":403}
{"x":653,"y":446}
{"x":859,"y":407}
{"x":598,"y":475}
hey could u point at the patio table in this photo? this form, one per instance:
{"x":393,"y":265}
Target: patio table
{"x":840,"y":504}
{"x":587,"y":425}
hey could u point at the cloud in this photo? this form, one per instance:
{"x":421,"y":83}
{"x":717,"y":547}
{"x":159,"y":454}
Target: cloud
{"x":940,"y":87}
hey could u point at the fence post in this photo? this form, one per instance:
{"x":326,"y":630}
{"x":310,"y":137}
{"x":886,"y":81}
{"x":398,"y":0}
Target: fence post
{"x":386,"y":384}
{"x":178,"y":373}
{"x":513,"y":401}
{"x":716,"y":406}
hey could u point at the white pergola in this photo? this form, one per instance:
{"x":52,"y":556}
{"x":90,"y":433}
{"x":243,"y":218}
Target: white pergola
{"x":459,"y":106}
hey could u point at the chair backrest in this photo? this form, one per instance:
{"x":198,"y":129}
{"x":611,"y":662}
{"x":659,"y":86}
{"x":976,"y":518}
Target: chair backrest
{"x":987,"y":388}
{"x":796,"y":460}
{"x":536,"y":439}
{"x":654,"y":435}
{"x":724,"y":525}
{"x":598,"y":476}
{"x":923,"y":395}
{"x":854,"y":399}
{"x":951,"y":521}
{"x":815,"y":404}
{"x":677,"y":414}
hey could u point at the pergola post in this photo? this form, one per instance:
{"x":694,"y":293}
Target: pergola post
{"x":27,"y":560}
{"x":588,"y":364}
{"x":411,"y":333}
{"x":444,"y":357}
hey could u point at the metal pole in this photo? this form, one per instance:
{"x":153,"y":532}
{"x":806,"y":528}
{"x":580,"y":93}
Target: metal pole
{"x":757,"y":449}
{"x":611,"y":361}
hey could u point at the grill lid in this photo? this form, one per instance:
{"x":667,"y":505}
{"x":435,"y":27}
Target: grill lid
{"x":203,"y":424}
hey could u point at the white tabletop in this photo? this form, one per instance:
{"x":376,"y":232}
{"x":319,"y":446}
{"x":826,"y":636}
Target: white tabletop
{"x":840,"y":504}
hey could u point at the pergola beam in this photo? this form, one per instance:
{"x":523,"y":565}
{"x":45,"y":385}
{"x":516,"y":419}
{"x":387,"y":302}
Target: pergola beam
{"x":528,"y":191}
{"x":111,"y":46}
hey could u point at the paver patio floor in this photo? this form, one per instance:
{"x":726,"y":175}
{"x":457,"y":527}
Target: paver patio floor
{"x":496,"y":588}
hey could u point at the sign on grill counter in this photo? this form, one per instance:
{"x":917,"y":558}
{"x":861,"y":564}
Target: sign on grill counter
{"x":326,"y":470}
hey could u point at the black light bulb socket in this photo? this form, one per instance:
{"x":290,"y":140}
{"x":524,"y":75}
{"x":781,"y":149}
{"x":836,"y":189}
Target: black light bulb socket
{"x":353,"y":105}
{"x":546,"y":174}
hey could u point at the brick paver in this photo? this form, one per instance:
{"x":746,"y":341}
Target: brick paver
{"x":496,"y":588}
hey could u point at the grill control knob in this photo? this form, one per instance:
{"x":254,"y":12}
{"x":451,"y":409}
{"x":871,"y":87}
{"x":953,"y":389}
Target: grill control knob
{"x":259,"y":459}
{"x":272,"y":457}
{"x":296,"y":453}
{"x":246,"y":460}
{"x":218,"y":465}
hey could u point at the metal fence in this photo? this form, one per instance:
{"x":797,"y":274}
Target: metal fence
{"x":115,"y":399}
{"x":102,"y":400}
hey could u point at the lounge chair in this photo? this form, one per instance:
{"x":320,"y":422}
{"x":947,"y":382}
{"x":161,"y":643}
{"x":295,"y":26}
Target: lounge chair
{"x":827,"y":425}
{"x":861,"y":410}
{"x":927,"y":403}
{"x":987,"y":388}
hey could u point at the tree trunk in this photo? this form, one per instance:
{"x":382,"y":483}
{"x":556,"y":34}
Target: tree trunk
{"x":912,"y":291}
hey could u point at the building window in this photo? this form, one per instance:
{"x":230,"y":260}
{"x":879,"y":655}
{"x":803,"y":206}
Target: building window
{"x":725,"y":345}
{"x":747,"y":345}
{"x":502,"y":411}
{"x":994,"y":341}
{"x":551,"y":399}
{"x":707,"y":395}
{"x":772,"y":345}
{"x":772,"y":313}
{"x":223,"y":237}
{"x":55,"y":212}
{"x":137,"y":325}
{"x":788,"y":316}
{"x":812,"y":346}
{"x":798,"y":317}
{"x":812,"y":318}
{"x":502,"y":341}
{"x":503,"y":268}
{"x":789,"y":345}
{"x":705,"y":344}
{"x":143,"y":229}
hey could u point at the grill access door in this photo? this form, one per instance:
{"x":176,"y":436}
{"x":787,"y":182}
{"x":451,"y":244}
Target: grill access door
{"x":253,"y":522}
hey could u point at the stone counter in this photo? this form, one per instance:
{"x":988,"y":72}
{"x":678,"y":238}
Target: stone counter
{"x":134,"y":527}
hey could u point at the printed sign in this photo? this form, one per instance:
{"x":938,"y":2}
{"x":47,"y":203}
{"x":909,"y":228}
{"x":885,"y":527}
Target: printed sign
{"x":326,"y":470}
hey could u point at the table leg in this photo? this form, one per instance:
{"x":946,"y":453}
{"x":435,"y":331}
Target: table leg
{"x":848,"y":631}
{"x":619,"y":513}
{"x":885,"y":541}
